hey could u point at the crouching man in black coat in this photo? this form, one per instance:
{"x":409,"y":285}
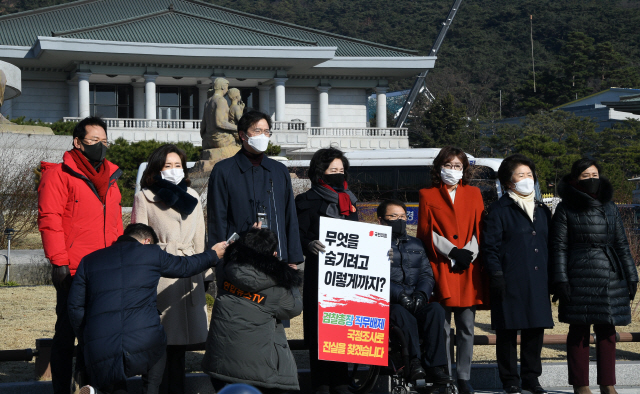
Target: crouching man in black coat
{"x":411,"y":286}
{"x":112,"y":308}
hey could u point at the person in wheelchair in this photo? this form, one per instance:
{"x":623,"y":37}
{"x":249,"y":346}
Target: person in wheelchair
{"x":411,"y":286}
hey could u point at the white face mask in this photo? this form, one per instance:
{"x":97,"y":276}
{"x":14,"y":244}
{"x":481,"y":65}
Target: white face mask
{"x":259,"y":143}
{"x":525,"y":186}
{"x":451,"y":177}
{"x":174,"y":175}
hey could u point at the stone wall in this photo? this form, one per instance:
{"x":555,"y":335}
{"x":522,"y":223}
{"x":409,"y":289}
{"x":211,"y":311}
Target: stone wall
{"x":44,"y":100}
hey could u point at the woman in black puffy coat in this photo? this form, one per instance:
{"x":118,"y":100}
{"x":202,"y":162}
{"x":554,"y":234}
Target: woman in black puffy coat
{"x":594,"y":275}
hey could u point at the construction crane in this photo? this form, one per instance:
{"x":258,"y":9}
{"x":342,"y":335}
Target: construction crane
{"x":419,"y":85}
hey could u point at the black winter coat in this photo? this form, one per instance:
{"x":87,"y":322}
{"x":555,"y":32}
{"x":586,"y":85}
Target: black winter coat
{"x":112,"y":306}
{"x":310,"y":207}
{"x":247,"y":342}
{"x":517,"y":246}
{"x":591,"y":253}
{"x":237,"y":190}
{"x":410,"y":269}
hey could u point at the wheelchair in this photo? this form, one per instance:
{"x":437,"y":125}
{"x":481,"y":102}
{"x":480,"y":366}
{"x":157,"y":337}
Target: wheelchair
{"x":363,"y":378}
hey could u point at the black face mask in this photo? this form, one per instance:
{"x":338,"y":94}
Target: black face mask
{"x":95,"y":153}
{"x":590,"y":185}
{"x":398,"y":227}
{"x":336,"y":181}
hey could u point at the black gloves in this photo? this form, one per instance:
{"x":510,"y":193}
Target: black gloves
{"x":633,"y":288}
{"x":407,"y":302}
{"x":61,"y":277}
{"x":315,"y":247}
{"x":462,"y":257}
{"x":498,"y":286}
{"x":419,"y":300}
{"x":562,"y":292}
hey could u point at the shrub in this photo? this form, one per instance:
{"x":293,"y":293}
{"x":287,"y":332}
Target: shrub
{"x":273,"y":150}
{"x":59,"y":128}
{"x":128,"y":156}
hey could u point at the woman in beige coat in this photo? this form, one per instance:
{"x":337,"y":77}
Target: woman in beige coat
{"x":173,"y":210}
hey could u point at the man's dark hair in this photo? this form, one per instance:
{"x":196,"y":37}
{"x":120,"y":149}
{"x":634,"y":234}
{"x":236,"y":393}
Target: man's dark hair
{"x":251,"y":118}
{"x":322,"y":159}
{"x":262,"y":241}
{"x":141,"y":231}
{"x":509,"y":165}
{"x":80,"y":131}
{"x":579,"y":166}
{"x":156,"y":161}
{"x":382,"y":208}
{"x":447,"y":154}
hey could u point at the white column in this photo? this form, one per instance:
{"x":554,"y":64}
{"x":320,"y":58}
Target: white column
{"x":323,"y":105}
{"x":203,"y":88}
{"x":84,"y":109}
{"x":381,"y":111}
{"x":280,"y":99}
{"x":264,"y":98}
{"x":138,"y":100}
{"x":73,"y":98}
{"x":150,"y":96}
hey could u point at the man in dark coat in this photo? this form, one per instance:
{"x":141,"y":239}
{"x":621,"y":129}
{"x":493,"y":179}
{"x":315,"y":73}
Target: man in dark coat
{"x":250,"y":184}
{"x":411,"y":287}
{"x":112,"y":307}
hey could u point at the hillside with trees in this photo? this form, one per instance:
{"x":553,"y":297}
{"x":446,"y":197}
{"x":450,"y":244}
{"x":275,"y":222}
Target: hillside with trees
{"x":579,"y":46}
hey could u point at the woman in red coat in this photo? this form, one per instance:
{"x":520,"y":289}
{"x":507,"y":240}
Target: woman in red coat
{"x":449,"y":226}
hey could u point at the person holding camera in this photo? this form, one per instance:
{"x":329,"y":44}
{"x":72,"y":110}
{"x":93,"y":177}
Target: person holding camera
{"x":411,"y":287}
{"x":112,"y":308}
{"x":250,"y":189}
{"x":256,"y":292}
{"x":79,"y":212}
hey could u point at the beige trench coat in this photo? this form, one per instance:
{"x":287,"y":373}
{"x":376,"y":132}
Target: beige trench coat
{"x":181,"y":301}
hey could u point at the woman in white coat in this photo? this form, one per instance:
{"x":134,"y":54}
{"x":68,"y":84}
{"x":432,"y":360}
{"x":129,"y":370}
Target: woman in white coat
{"x":173,"y":210}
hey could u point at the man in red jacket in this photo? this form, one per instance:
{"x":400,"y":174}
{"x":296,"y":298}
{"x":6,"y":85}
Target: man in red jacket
{"x":79,"y":212}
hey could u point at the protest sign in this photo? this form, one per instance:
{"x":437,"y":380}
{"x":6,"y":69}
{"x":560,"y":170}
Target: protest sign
{"x":353,"y":292}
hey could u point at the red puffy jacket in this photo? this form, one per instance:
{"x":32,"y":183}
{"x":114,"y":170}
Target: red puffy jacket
{"x":72,"y":220}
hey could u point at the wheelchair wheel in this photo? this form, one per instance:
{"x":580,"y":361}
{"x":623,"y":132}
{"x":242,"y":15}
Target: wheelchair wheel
{"x":363,"y":378}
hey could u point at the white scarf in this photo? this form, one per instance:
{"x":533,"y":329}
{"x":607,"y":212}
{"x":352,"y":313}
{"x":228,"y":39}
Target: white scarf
{"x":527,"y":203}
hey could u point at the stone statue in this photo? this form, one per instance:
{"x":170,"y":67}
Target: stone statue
{"x":237,"y":106}
{"x":216,"y":130}
{"x":3,"y":85}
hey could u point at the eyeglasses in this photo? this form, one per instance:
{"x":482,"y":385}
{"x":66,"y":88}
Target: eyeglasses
{"x":396,"y":217}
{"x":257,"y":132}
{"x":457,"y":167}
{"x":95,"y":141}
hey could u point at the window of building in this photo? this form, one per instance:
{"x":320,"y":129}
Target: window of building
{"x":111,"y":101}
{"x":177,"y":102}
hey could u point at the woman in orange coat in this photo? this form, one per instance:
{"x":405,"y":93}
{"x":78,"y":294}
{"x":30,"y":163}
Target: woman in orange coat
{"x":449,"y":226}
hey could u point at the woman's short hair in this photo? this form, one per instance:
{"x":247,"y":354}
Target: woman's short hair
{"x":321,"y":161}
{"x":382,"y":208}
{"x":156,"y":161}
{"x":262,"y":241}
{"x":509,"y":165}
{"x":447,"y":154}
{"x":579,"y":166}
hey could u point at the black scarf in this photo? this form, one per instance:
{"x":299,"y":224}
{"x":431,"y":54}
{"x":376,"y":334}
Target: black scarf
{"x":175,"y":196}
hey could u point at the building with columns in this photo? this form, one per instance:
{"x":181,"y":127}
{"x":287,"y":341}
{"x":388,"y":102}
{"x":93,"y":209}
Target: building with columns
{"x":147,"y":65}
